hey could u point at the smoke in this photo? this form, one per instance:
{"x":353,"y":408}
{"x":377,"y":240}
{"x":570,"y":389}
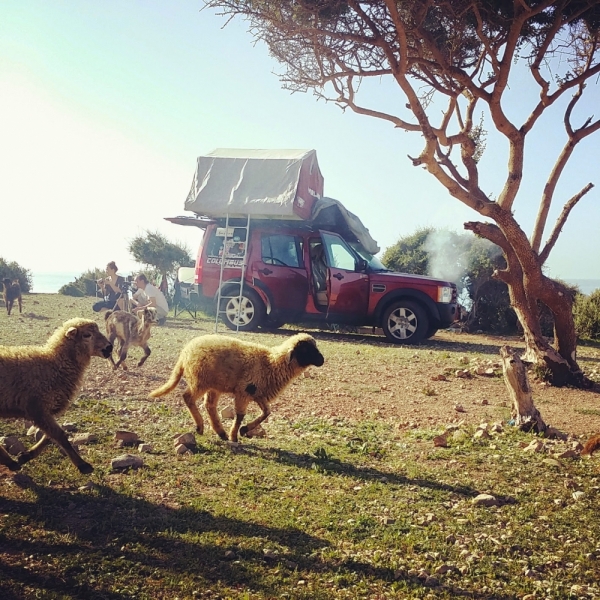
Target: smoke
{"x":448,"y":255}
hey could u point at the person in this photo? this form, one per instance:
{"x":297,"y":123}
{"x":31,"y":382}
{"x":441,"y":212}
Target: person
{"x":149,"y":295}
{"x":112,"y":289}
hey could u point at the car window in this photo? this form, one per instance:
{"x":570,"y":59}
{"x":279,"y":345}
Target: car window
{"x":280,"y":249}
{"x":339,"y":254}
{"x":235,"y":242}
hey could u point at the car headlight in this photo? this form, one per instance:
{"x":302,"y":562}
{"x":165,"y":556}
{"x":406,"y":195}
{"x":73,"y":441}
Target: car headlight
{"x":445,"y":294}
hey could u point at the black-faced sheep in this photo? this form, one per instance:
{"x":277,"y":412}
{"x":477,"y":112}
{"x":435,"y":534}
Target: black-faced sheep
{"x":130,"y":330}
{"x":37,"y":383}
{"x":10,"y":293}
{"x":214,"y":364}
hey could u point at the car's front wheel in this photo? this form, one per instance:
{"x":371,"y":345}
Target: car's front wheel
{"x":405,"y":322}
{"x":245,"y":313}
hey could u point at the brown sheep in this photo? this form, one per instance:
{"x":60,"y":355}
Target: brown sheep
{"x":37,"y":383}
{"x":130,"y":330}
{"x":12,"y":292}
{"x":214,"y":364}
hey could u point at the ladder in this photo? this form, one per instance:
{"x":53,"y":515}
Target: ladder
{"x":224,"y":258}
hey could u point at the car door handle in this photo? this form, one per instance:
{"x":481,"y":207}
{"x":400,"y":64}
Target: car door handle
{"x":265,"y":271}
{"x":338,"y":276}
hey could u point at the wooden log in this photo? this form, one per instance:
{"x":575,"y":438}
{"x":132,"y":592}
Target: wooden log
{"x":524,"y":413}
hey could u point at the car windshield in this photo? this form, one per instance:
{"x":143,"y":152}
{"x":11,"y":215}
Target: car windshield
{"x":374,"y":263}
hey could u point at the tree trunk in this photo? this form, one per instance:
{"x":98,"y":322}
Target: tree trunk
{"x":524,"y":413}
{"x":527,"y":285}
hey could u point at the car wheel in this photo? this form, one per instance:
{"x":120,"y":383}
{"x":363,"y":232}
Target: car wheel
{"x":245,"y":313}
{"x":405,"y":322}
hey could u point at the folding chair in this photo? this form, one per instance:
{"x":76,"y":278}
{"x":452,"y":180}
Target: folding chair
{"x":185,"y":299}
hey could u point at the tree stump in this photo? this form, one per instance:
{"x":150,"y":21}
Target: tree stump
{"x":524,"y":413}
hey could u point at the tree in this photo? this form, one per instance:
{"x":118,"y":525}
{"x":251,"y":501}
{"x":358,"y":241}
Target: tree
{"x":156,"y":251}
{"x":462,"y":55}
{"x":13,"y":270}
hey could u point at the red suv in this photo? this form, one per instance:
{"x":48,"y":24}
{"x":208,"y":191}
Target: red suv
{"x":296,"y":272}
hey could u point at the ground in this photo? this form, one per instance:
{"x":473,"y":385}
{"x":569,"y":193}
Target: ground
{"x":363,"y":376}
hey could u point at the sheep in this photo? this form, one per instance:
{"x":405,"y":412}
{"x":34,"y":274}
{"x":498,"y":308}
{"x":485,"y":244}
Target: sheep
{"x":12,"y":292}
{"x":37,"y":383}
{"x":130,"y":330}
{"x":214,"y":364}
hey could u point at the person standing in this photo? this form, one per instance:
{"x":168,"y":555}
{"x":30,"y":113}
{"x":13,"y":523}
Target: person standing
{"x":149,"y":295}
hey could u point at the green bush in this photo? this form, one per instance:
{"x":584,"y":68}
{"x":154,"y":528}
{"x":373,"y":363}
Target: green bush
{"x":587,"y":315}
{"x":13,"y":271}
{"x":84,"y":285}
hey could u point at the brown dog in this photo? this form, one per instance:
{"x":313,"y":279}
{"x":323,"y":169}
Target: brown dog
{"x":130,"y":331}
{"x":12,"y":292}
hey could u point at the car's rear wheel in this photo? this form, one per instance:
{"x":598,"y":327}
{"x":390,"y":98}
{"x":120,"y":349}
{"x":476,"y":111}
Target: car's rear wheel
{"x":245,"y":313}
{"x":405,"y":322}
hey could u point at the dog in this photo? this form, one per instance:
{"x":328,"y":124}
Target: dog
{"x":12,"y":292}
{"x":130,"y":330}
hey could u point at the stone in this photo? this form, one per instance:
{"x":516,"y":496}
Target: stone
{"x":228,"y":413}
{"x":257,"y":432}
{"x":69,"y":427}
{"x":145,"y":448}
{"x":497,"y":428}
{"x":485,"y":500}
{"x":567,"y":454}
{"x":126,"y":461}
{"x":187,"y":439}
{"x":129,"y":438}
{"x":551,"y":462}
{"x":182,"y":449}
{"x":440,"y":441}
{"x":481,"y":434}
{"x":84,"y":438}
{"x":535,"y":446}
{"x":459,"y":436}
{"x":578,"y":495}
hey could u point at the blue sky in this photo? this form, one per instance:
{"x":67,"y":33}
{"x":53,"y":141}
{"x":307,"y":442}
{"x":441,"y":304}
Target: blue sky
{"x":104,"y":107}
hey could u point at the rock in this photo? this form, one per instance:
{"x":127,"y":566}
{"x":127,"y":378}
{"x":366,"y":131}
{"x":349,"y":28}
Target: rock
{"x":84,"y":438}
{"x":187,"y":439}
{"x":257,"y":432}
{"x":578,"y":495}
{"x":567,"y":454}
{"x":497,"y":428}
{"x":126,"y":461}
{"x":577,"y":446}
{"x":463,"y":360}
{"x":551,"y":462}
{"x":534,"y":446}
{"x":459,"y":408}
{"x":440,"y":441}
{"x":388,"y":520}
{"x":69,"y":427}
{"x":483,"y":402}
{"x":145,"y":448}
{"x":463,"y":373}
{"x":459,"y":436}
{"x":129,"y":438}
{"x":228,"y":413}
{"x":270,"y":554}
{"x":230,"y":555}
{"x":182,"y":449}
{"x":439,"y":377}
{"x":485,"y":500}
{"x":442,"y":569}
{"x":481,"y":434}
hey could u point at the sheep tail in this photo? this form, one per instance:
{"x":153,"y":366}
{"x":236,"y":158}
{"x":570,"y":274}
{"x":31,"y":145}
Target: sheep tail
{"x":591,"y":445}
{"x":171,"y":384}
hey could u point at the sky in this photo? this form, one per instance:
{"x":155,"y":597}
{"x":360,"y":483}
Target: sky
{"x":104,"y":107}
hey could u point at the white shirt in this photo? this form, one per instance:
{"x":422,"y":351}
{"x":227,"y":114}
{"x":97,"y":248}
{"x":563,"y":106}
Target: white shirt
{"x":151,"y":291}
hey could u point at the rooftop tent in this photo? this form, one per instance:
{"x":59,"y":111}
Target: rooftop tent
{"x":262,"y":183}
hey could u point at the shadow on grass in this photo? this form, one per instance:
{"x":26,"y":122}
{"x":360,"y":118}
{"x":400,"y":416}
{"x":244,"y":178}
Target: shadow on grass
{"x":111,"y":546}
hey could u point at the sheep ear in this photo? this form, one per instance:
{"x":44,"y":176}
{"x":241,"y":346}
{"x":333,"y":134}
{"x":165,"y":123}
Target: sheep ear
{"x":71,"y":332}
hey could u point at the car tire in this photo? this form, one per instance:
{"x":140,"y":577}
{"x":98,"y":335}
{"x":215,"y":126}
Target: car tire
{"x":251,"y":314}
{"x":405,"y":322}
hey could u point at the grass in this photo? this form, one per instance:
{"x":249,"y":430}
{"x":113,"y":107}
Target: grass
{"x":319,"y":509}
{"x":322,"y":508}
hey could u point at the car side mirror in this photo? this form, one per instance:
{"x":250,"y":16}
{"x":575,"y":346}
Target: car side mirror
{"x":361,"y":265}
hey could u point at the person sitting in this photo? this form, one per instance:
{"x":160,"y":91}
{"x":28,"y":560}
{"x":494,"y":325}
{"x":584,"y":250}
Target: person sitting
{"x":149,"y":295}
{"x":112,"y":289}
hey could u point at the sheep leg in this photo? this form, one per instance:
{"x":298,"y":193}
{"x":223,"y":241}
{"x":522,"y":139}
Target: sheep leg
{"x":147,"y":352}
{"x":266,"y":411}
{"x":190,"y":401}
{"x":7,"y":461}
{"x":54,"y":431}
{"x":122,"y":356}
{"x":211,"y":400}
{"x":241,"y":407}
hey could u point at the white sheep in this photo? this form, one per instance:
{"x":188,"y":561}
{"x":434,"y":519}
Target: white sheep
{"x":214,"y":364}
{"x":37,"y":383}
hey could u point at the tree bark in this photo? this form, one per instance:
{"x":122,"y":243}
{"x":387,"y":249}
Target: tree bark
{"x":524,"y":413}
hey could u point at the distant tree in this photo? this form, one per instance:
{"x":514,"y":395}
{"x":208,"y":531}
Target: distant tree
{"x":154,"y":250}
{"x":14,"y":270}
{"x":451,"y":61}
{"x":84,"y":285}
{"x":408,"y":254}
{"x":587,"y":315}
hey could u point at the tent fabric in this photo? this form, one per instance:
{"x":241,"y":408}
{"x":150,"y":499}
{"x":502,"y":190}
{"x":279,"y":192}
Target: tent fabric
{"x":266,"y":183}
{"x":331,"y":214}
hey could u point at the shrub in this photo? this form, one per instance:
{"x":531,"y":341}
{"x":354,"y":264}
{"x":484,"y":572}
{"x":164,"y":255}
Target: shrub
{"x":13,"y":271}
{"x":85,"y":284}
{"x":587,"y":315}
